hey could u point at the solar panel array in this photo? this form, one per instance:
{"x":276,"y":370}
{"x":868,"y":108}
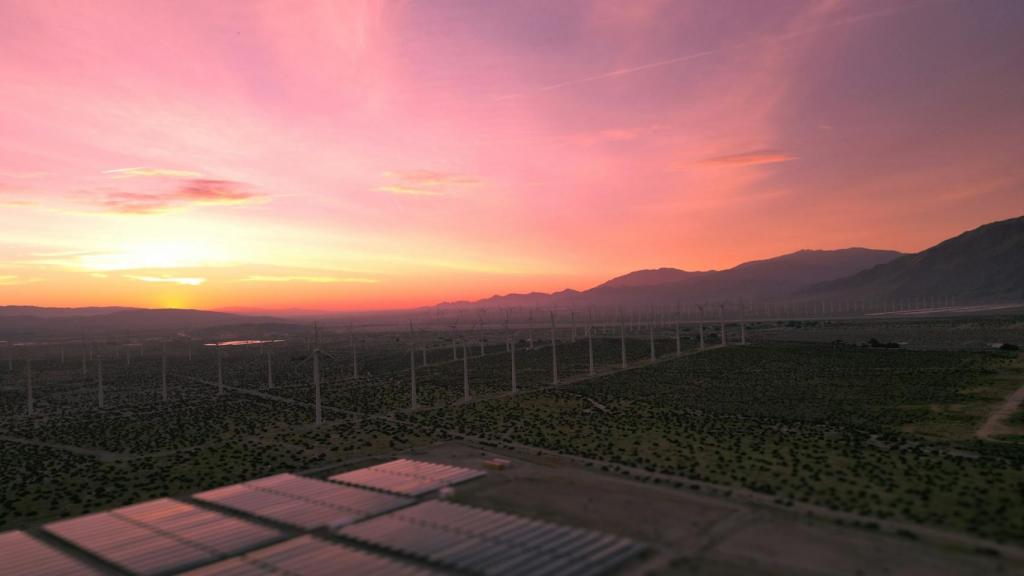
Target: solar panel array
{"x":161,"y":536}
{"x":492,"y":543}
{"x":408,"y":477}
{"x":23,"y":555}
{"x":303,"y":502}
{"x":310,"y":556}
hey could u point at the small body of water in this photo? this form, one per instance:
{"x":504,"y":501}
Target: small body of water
{"x":242,"y":342}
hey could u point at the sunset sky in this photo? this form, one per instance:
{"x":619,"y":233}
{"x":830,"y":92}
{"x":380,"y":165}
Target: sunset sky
{"x":363,"y":155}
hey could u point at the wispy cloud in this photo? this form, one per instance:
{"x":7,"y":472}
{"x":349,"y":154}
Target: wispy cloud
{"x":184,"y":281}
{"x":425,"y":182}
{"x":751,"y":158}
{"x":151,"y":172}
{"x":310,"y":279}
{"x":196,"y":192}
{"x":11,"y":280}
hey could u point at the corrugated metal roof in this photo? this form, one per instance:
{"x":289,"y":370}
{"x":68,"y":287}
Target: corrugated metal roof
{"x":310,"y":556}
{"x":161,"y":536}
{"x":23,"y":555}
{"x":488,"y":542}
{"x":408,"y":477}
{"x":303,"y":502}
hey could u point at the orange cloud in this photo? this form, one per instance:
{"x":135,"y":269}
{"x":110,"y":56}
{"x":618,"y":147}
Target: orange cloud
{"x":752,"y":158}
{"x":425,"y":182}
{"x":184,"y":281}
{"x":158,"y":172}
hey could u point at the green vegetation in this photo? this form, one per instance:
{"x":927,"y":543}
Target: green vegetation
{"x":883,"y":432}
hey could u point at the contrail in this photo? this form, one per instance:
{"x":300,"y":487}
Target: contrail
{"x":705,"y":53}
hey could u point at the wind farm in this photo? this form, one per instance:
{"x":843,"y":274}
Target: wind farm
{"x":592,"y":288}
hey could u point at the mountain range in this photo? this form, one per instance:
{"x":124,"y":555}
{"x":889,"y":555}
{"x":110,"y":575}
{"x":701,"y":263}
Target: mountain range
{"x":986,"y":263}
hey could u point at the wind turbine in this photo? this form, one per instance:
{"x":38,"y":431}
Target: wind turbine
{"x":315,"y":355}
{"x":721,"y":317}
{"x":531,"y":329}
{"x":412,"y":367}
{"x":650,"y":331}
{"x":163,"y":372}
{"x":700,"y":307}
{"x":99,"y":377}
{"x":679,"y":346}
{"x":455,"y":325}
{"x":465,"y":372}
{"x":480,"y":328}
{"x":352,"y":344}
{"x":590,"y":340}
{"x":28,"y":371}
{"x":622,"y":337}
{"x":220,"y":372}
{"x":270,"y":369}
{"x":743,"y":327}
{"x":554,"y":351}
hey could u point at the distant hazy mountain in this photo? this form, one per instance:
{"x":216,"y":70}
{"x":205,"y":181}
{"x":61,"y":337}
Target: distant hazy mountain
{"x":772,"y":278}
{"x":29,"y":321}
{"x":41,"y":312}
{"x":986,"y":263}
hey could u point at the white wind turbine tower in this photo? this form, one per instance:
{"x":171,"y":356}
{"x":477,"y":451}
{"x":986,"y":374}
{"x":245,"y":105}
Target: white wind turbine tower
{"x":28,"y":372}
{"x":163,"y":372}
{"x":508,"y":337}
{"x":455,"y":325}
{"x":480,"y":329}
{"x":512,"y":349}
{"x":572,"y":321}
{"x":650,"y":331}
{"x":590,"y":339}
{"x":315,"y":355}
{"x":622,"y":337}
{"x":84,"y":369}
{"x":412,"y":367}
{"x":531,"y":329}
{"x":743,"y":327}
{"x":700,"y":307}
{"x":352,"y":345}
{"x":99,"y":377}
{"x":220,"y":372}
{"x":270,"y":369}
{"x":465,"y":372}
{"x":679,"y":346}
{"x":721,"y":317}
{"x":554,"y":351}
{"x":10,"y":357}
